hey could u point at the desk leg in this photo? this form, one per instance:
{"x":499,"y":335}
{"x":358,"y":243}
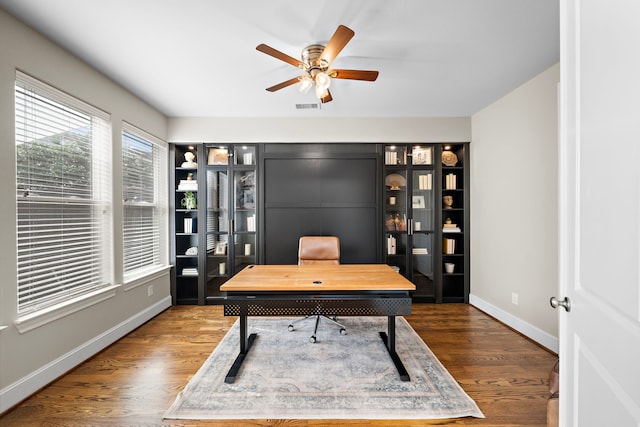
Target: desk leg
{"x":390,"y":344}
{"x":245,"y":345}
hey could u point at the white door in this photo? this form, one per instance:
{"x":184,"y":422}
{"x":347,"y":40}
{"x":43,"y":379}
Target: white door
{"x":600,"y":213}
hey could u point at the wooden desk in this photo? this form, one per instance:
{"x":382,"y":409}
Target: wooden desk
{"x":341,"y":290}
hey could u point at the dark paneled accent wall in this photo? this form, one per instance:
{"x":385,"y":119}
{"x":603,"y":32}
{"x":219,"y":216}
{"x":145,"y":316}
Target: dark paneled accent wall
{"x":321,"y":189}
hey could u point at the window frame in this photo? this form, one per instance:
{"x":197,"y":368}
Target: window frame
{"x":133,"y":277}
{"x":95,"y":197}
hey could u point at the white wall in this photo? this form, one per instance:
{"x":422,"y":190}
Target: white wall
{"x":373,"y":130}
{"x":514,"y":207}
{"x":31,"y":359}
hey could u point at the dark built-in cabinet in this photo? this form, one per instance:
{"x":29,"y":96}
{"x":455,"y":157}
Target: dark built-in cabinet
{"x":426,"y":219}
{"x":406,"y":205}
{"x":214,"y":224}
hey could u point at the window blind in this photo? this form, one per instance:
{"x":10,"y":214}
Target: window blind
{"x":63,"y":196}
{"x":142,"y":175}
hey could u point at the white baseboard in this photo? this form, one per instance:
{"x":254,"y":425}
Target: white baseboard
{"x":25,"y":387}
{"x":536,"y":334}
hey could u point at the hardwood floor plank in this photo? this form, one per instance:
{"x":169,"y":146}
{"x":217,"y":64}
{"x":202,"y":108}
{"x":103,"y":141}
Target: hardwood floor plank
{"x":133,"y":382}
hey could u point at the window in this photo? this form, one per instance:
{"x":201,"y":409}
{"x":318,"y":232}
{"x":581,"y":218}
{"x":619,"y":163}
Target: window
{"x":142,"y":178}
{"x":63,"y":197}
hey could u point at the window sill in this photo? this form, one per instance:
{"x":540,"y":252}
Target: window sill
{"x":145,"y":277}
{"x":40,"y":318}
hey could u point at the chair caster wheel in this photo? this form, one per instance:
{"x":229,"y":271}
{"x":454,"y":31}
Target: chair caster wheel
{"x":343,"y":331}
{"x":312,"y":340}
{"x":290,"y":328}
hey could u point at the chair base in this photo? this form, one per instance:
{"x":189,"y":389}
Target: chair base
{"x":313,"y":339}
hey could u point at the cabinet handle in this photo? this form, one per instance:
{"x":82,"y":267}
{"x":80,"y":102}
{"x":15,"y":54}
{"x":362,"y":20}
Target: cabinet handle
{"x":410,"y":227}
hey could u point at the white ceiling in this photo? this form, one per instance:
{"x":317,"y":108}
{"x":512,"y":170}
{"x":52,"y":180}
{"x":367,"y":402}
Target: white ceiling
{"x":197,"y":58}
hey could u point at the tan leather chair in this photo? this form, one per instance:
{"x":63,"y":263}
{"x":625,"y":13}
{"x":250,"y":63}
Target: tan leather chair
{"x":318,"y":250}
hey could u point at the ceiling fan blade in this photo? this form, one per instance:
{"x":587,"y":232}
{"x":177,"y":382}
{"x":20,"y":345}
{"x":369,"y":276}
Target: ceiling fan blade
{"x":279,"y":55}
{"x":327,"y":98}
{"x":283,"y":84}
{"x":337,"y":42}
{"x":367,"y":75}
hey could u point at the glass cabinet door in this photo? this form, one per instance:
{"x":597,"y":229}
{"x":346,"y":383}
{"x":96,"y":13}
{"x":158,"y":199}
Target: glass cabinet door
{"x":231,"y":212}
{"x":395,"y":223}
{"x":218,"y":219}
{"x":409,"y":214}
{"x":422,"y":232}
{"x":244,"y":235}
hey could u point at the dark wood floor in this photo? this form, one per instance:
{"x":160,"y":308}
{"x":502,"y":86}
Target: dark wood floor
{"x":132,"y":382}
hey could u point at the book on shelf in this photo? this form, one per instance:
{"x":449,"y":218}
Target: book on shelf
{"x":450,"y":181}
{"x":425,"y":182}
{"x":188,"y":185}
{"x":450,"y":228}
{"x":251,"y":223}
{"x":390,"y":158}
{"x":247,"y":159}
{"x":448,"y":246}
{"x":189,"y":271}
{"x":189,"y":225}
{"x":420,"y":251}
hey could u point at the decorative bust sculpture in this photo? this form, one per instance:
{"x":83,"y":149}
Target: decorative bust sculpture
{"x":447,"y":201}
{"x":189,"y":157}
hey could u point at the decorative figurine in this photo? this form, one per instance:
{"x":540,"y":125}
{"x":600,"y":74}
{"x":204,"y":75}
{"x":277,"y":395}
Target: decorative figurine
{"x":447,"y":201}
{"x":190,"y":163}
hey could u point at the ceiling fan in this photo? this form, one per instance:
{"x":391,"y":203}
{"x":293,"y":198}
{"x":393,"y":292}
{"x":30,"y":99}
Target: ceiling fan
{"x":315,"y":63}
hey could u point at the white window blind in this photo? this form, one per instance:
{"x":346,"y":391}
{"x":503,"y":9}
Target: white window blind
{"x":142,"y":176}
{"x":63,"y":196}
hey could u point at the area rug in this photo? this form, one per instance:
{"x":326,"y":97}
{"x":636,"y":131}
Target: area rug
{"x":285,"y":376}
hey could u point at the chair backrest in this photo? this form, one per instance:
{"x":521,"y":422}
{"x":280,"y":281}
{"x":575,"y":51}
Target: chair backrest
{"x":318,"y":250}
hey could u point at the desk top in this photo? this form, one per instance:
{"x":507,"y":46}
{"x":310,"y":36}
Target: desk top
{"x":305,"y":278}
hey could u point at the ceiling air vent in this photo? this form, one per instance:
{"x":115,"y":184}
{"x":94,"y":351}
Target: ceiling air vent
{"x":307,"y":106}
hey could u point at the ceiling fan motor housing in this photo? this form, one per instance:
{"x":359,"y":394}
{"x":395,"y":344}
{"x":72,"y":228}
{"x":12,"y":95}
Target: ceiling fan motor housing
{"x":311,"y":58}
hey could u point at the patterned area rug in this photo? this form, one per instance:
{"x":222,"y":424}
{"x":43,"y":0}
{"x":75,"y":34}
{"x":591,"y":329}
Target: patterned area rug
{"x":351,"y":376}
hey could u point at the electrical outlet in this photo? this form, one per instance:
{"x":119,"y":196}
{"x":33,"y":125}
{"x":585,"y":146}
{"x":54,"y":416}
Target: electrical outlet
{"x":514,"y":298}
{"x":150,"y":290}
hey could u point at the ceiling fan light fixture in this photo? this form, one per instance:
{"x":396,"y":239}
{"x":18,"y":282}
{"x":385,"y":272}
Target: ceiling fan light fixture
{"x":321,"y":92}
{"x":323,"y":80}
{"x":305,"y":84}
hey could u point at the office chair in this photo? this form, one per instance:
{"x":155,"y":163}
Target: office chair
{"x":318,"y":250}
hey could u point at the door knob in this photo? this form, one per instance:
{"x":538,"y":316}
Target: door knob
{"x":565,"y":303}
